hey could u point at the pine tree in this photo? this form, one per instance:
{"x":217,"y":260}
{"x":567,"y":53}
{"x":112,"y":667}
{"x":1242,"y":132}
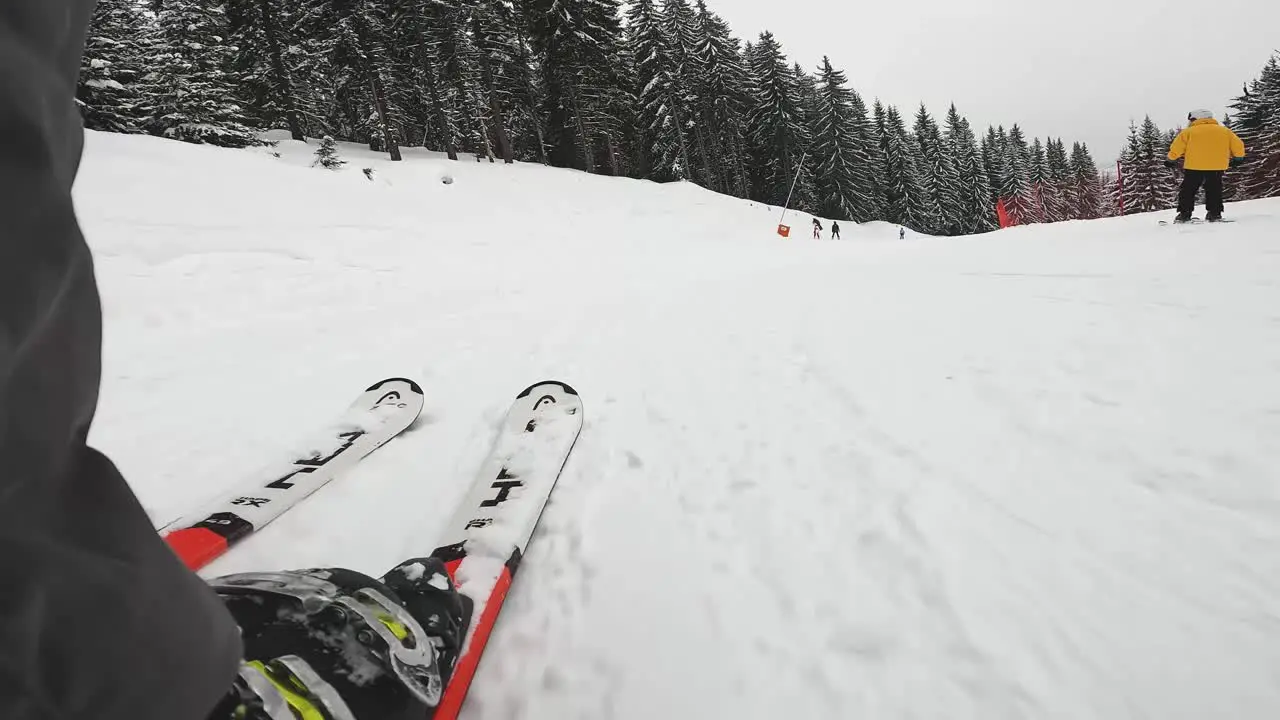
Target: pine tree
{"x":1084,"y":198}
{"x":843,"y":180}
{"x":1039,"y":176}
{"x":266,"y":84}
{"x":908,"y":201}
{"x":1015,"y":178}
{"x":776,"y":121}
{"x":1257,"y":122}
{"x":941,"y":179}
{"x":977,"y":213}
{"x":424,"y":93}
{"x":681,"y":24}
{"x":662,"y":101}
{"x":495,"y":44}
{"x":1055,"y":197}
{"x":579,"y":46}
{"x":807,"y":87}
{"x":721,"y":87}
{"x":991,"y":162}
{"x":186,"y":94}
{"x":109,"y":69}
{"x":327,"y":155}
{"x":1145,"y":183}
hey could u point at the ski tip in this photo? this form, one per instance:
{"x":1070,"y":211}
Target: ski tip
{"x":412,"y":385}
{"x":563,"y":386}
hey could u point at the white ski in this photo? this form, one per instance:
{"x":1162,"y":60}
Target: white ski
{"x":379,"y":414}
{"x":483,"y":544}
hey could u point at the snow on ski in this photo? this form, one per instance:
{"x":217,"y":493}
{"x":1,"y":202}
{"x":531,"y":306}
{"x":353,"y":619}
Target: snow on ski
{"x":379,"y":414}
{"x":484,"y":542}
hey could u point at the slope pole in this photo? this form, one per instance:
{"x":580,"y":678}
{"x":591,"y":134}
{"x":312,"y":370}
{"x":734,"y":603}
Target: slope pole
{"x":794,"y":180}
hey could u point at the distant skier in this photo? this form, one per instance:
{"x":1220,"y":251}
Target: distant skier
{"x":817,"y":229}
{"x":99,"y":618}
{"x":835,"y":230}
{"x":902,"y":233}
{"x":1207,"y":150}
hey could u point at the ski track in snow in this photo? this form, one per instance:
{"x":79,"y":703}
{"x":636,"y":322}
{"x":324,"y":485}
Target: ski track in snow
{"x":1025,"y":475}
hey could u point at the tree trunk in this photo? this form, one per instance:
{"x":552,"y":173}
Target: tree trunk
{"x":498,"y":117}
{"x":437,"y":107}
{"x":380,"y":102}
{"x":685,"y":165}
{"x":372,"y":54}
{"x":283,"y":82}
{"x":587,"y":164}
{"x":531,"y":96}
{"x":710,"y":178}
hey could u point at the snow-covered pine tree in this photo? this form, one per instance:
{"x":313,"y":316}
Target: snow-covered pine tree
{"x":681,"y":24}
{"x":662,"y":98}
{"x":808,"y":89}
{"x":456,"y":74}
{"x":186,"y":94}
{"x":327,"y":155}
{"x":1039,"y":176}
{"x":844,"y":183}
{"x":1257,"y":122}
{"x":423,"y":93}
{"x":1147,"y":186}
{"x":1084,"y":199}
{"x":722,"y":97}
{"x":1059,"y":174}
{"x":359,"y":92}
{"x":266,"y":88}
{"x":491,"y":32}
{"x":977,"y":213}
{"x":869,"y":175}
{"x":992,"y":162}
{"x":1015,"y":188}
{"x":110,"y":67}
{"x":775,"y":120}
{"x":909,"y":202}
{"x":941,"y":179}
{"x":578,"y":42}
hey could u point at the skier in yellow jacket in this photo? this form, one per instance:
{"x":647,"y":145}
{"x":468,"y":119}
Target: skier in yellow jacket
{"x":1207,"y":149}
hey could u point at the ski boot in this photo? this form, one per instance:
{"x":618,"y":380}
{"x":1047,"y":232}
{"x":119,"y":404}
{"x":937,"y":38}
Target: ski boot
{"x":1213,"y":217}
{"x":334,"y":644}
{"x":1182,"y":218}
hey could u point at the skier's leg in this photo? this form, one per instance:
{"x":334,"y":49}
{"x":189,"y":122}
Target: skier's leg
{"x":1191,"y":180}
{"x":99,"y":619}
{"x":1213,"y":194}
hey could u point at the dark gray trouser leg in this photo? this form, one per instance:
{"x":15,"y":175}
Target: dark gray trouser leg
{"x":98,"y":620}
{"x":1213,"y":192}
{"x":1191,"y":181}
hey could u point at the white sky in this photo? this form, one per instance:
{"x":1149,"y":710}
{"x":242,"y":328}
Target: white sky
{"x":1078,"y":69}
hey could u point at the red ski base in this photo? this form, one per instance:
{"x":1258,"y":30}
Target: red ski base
{"x":196,"y":546}
{"x":456,"y":692}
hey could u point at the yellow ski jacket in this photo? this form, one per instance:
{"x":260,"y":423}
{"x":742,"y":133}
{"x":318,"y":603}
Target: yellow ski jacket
{"x":1206,"y":146}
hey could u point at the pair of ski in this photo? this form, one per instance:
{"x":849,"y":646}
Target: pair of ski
{"x":1195,"y":221}
{"x":483,"y":543}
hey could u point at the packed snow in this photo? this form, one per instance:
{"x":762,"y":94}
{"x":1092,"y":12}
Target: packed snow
{"x":1030,"y":474}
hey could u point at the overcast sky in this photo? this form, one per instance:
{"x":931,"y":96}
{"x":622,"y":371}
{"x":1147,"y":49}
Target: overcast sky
{"x":1080,"y":70}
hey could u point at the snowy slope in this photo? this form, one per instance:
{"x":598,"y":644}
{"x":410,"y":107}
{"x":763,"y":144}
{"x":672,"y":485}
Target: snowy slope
{"x":1025,"y":475}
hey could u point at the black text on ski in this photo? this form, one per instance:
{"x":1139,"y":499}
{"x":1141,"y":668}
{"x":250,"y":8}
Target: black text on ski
{"x":504,"y":484}
{"x":309,"y":465}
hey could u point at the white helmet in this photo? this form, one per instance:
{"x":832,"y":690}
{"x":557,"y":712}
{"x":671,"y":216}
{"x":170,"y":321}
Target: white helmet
{"x":1195,"y":115}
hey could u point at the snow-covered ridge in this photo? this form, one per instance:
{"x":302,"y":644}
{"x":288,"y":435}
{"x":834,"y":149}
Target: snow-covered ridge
{"x":1030,"y":474}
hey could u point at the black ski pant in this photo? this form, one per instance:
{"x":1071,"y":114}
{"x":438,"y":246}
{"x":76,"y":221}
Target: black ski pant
{"x":1191,"y":182}
{"x":98,"y":619}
